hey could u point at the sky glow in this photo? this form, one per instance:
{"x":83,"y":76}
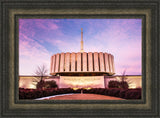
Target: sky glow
{"x":39,"y":39}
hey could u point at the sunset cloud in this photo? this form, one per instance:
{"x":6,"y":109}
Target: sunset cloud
{"x":31,"y":55}
{"x":39,"y":39}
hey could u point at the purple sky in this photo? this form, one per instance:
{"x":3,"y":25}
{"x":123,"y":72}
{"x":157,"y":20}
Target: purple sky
{"x":39,"y":39}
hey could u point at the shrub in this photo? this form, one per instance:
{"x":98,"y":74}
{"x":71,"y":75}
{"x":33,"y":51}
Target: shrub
{"x":38,"y":93}
{"x":21,"y":95}
{"x":133,"y":94}
{"x":50,"y":84}
{"x":117,"y":92}
{"x":106,"y":91}
{"x":77,"y":91}
{"x":114,"y":92}
{"x":113,"y":84}
{"x":97,"y":91}
{"x":85,"y":91}
{"x":40,"y":84}
{"x":46,"y":84}
{"x":122,"y":93}
{"x":117,"y":84}
{"x":123,"y":84}
{"x":102,"y":91}
{"x":93,"y":90}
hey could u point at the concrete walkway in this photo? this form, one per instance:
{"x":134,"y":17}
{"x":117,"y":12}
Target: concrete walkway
{"x":83,"y":97}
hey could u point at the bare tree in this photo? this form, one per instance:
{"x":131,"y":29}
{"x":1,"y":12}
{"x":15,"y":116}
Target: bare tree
{"x":125,"y":81}
{"x":40,"y":73}
{"x":123,"y":77}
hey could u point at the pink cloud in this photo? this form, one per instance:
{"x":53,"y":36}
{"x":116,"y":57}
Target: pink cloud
{"x":118,"y":39}
{"x":66,"y":45}
{"x":46,"y":25}
{"x":125,"y":48}
{"x":31,"y":54}
{"x":52,"y":26}
{"x":26,"y":29}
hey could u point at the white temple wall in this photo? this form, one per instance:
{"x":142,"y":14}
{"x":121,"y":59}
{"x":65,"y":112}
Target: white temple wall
{"x":107,"y":62}
{"x":81,"y":82}
{"x":96,"y":65}
{"x":113,"y":67}
{"x":90,"y":62}
{"x":84,"y":62}
{"x":73,"y":62}
{"x":133,"y":81}
{"x":67,"y":62}
{"x":62,"y":63}
{"x":78,"y":62}
{"x":101,"y":60}
{"x":57,"y":63}
{"x":53,"y":64}
{"x":86,"y":81}
{"x":110,"y":63}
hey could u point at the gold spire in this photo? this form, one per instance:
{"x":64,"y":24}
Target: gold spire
{"x":82,"y":40}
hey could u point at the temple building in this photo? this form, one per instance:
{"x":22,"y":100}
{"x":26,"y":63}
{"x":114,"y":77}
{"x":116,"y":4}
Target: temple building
{"x":85,"y":70}
{"x":82,"y":69}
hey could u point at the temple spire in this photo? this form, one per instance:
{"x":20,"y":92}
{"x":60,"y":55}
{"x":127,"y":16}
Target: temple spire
{"x":82,"y":40}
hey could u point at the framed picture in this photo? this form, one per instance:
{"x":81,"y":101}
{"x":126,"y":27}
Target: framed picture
{"x":14,"y":37}
{"x":91,"y":58}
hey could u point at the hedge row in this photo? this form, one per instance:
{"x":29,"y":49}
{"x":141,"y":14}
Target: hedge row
{"x":38,"y":93}
{"x":116,"y":92}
